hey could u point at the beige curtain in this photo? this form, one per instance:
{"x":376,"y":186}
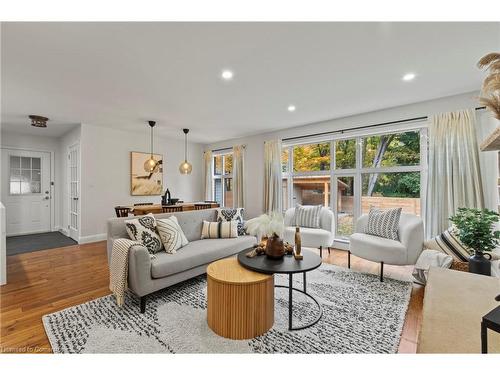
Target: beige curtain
{"x":454,"y":178}
{"x":238,"y":176}
{"x":208,"y":166}
{"x":272,"y":176}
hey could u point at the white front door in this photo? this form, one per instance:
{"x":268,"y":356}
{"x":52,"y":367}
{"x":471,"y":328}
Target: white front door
{"x":74,"y":191}
{"x":26,"y":191}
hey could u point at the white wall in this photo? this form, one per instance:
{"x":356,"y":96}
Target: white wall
{"x":105,"y":173}
{"x":255,"y":144}
{"x":40,"y":143}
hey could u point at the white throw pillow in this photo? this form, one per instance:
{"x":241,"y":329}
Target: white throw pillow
{"x":219,"y":229}
{"x":171,"y":234}
{"x":143,"y":229}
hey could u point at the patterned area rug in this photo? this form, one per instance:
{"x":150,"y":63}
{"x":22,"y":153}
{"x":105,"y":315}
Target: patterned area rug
{"x":360,"y":315}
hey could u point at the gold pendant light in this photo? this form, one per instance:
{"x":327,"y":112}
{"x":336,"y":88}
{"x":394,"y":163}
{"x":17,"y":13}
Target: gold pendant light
{"x":185,"y":167}
{"x":151,"y":165}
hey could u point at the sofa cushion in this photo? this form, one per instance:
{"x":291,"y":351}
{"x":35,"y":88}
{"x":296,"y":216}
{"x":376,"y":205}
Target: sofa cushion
{"x":378,"y":249}
{"x":197,"y":253}
{"x":310,"y":237}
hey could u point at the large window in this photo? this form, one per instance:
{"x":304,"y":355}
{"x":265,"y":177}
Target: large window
{"x":350,"y":175}
{"x":223,"y":179}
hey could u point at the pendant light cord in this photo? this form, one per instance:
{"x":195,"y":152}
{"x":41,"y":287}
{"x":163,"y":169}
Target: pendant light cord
{"x":185,"y":147}
{"x":151,"y":142}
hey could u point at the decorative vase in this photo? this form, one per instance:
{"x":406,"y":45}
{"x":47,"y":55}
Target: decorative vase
{"x":479,"y":264}
{"x":274,"y":247}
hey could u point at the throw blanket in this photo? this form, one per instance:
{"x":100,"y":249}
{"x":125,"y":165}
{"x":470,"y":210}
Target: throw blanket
{"x":118,"y":269}
{"x":427,"y":259}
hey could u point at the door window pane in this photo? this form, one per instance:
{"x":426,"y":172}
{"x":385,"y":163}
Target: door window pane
{"x":345,"y":206}
{"x":228,"y":164}
{"x":391,"y":190}
{"x":218,"y":190}
{"x":25,"y":162}
{"x":345,"y":154}
{"x":312,"y":190}
{"x":35,"y":163}
{"x":26,"y":180}
{"x":313,"y":157}
{"x":391,"y":150}
{"x":228,"y":192}
{"x":218,"y":165}
{"x":15,"y":162}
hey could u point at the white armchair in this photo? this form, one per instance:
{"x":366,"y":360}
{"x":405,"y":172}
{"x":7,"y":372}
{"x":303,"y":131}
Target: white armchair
{"x":320,"y":238}
{"x":378,"y":249}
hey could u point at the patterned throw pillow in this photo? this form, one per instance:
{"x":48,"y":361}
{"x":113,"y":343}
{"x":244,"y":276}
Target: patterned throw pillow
{"x":449,"y":243}
{"x":219,"y":229}
{"x":171,"y":234}
{"x":384,"y":223}
{"x":143,"y":229}
{"x":230,"y":214}
{"x":307,"y":216}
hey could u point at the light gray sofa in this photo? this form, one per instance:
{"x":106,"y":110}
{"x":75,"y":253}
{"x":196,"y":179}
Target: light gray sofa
{"x":146,"y":275}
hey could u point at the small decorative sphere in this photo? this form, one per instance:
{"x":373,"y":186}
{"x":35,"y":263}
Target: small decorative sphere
{"x":185,"y":167}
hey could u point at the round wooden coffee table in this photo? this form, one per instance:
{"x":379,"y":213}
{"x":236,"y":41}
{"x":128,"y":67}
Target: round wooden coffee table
{"x":240,"y":301}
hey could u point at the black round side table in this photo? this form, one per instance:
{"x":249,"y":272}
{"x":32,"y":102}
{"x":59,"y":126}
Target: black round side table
{"x":287,"y":265}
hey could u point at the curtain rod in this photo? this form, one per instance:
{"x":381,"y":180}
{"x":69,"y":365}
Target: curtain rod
{"x":341,"y":131}
{"x":226,"y":148}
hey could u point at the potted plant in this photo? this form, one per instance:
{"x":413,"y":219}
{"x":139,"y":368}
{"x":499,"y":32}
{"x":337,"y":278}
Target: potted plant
{"x":270,"y":226}
{"x":476,"y":230}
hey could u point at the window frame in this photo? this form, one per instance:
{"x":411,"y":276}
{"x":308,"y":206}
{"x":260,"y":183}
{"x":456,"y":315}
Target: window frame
{"x":359,"y":170}
{"x":223,"y":176}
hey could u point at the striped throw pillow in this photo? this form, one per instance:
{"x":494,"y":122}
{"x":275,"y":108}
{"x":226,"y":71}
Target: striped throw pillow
{"x":307,"y":216}
{"x":171,"y":234}
{"x":219,"y":229}
{"x":384,"y":223}
{"x":448,"y":243}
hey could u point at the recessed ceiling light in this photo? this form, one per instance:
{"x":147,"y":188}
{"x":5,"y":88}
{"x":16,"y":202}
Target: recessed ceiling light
{"x":291,"y":108}
{"x":409,"y":77}
{"x":227,"y":75}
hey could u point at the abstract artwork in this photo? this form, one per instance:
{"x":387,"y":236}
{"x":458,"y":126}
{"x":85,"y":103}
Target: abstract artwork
{"x":142,"y":182}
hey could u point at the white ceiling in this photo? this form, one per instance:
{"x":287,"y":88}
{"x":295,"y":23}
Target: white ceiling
{"x":122,"y":74}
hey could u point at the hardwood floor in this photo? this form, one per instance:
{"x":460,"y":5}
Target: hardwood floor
{"x":46,"y":281}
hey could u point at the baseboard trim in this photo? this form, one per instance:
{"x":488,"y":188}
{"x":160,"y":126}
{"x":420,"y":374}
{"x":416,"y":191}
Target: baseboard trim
{"x":92,"y":238}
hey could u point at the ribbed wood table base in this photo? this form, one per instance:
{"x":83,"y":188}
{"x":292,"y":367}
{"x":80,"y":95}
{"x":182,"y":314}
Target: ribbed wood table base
{"x":240,"y":301}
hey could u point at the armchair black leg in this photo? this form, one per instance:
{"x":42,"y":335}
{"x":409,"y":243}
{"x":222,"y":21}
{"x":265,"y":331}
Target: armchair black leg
{"x":321,"y":251}
{"x":348,"y":259}
{"x":381,"y":271}
{"x":143,"y":304}
{"x":328,"y":250}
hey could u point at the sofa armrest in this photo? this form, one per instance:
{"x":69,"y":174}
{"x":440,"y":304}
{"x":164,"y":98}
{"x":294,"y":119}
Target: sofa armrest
{"x":411,"y":235}
{"x":139,"y":269}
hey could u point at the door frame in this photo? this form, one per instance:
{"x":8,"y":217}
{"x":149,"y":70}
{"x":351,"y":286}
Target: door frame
{"x":52,"y":188}
{"x":68,"y":185}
